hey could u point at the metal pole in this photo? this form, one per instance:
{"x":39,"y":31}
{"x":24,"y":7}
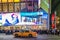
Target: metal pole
{"x":39,"y":3}
{"x":49,"y":11}
{"x":55,"y":19}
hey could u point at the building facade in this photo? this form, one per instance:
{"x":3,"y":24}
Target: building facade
{"x":18,"y":5}
{"x":13,"y":9}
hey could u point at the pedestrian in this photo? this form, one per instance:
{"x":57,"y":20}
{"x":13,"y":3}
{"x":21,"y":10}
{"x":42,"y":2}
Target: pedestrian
{"x":53,"y":31}
{"x":58,"y":32}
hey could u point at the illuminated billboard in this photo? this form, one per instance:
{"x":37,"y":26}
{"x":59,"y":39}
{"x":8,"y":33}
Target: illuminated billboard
{"x":24,"y":18}
{"x":34,"y":17}
{"x":9,"y":19}
{"x":12,"y":19}
{"x":0,"y":19}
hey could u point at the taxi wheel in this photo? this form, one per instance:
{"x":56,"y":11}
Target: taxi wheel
{"x":16,"y":35}
{"x":30,"y":35}
{"x":19,"y":36}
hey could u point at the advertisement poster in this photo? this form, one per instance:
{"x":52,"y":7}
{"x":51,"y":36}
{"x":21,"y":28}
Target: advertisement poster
{"x":10,"y":19}
{"x":0,"y":19}
{"x":34,"y":17}
{"x":24,"y":18}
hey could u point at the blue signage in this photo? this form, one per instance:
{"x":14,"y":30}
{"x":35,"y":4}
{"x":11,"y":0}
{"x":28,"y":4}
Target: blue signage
{"x":31,"y":13}
{"x":0,"y":16}
{"x":12,"y":20}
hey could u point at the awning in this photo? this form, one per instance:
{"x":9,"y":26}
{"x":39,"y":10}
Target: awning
{"x":40,"y":12}
{"x":31,"y":13}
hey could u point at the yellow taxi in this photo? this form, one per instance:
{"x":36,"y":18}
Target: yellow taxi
{"x":25,"y":33}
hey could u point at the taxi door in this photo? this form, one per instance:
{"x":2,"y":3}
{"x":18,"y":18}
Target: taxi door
{"x":21,"y":33}
{"x":26,"y":33}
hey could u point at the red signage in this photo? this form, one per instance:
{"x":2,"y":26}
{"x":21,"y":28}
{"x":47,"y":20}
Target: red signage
{"x":53,"y":20}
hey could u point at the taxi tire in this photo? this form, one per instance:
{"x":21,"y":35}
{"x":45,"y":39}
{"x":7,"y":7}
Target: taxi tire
{"x":30,"y":35}
{"x":16,"y":35}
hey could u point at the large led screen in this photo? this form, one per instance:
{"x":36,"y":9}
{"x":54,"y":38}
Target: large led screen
{"x":34,"y":17}
{"x":24,"y":18}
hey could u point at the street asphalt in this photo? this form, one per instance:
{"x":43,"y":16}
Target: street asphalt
{"x":39,"y":37}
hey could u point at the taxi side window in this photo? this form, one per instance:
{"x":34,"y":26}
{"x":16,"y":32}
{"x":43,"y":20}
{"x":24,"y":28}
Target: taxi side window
{"x":21,"y":31}
{"x":26,"y":31}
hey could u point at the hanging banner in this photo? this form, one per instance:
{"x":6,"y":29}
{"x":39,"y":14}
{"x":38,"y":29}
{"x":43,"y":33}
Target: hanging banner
{"x":53,"y":20}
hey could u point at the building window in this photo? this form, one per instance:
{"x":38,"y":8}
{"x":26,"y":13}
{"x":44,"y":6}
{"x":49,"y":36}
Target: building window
{"x":35,"y":6}
{"x":29,"y":6}
{"x":0,"y":8}
{"x":5,"y":8}
{"x":0,"y":1}
{"x":17,"y":7}
{"x":11,"y":7}
{"x":23,"y":7}
{"x":10,"y":0}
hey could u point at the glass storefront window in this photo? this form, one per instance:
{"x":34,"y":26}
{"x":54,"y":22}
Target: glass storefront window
{"x":10,"y":0}
{"x":17,"y":7}
{"x":23,"y":7}
{"x":10,"y":7}
{"x":3,"y":1}
{"x":5,"y":8}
